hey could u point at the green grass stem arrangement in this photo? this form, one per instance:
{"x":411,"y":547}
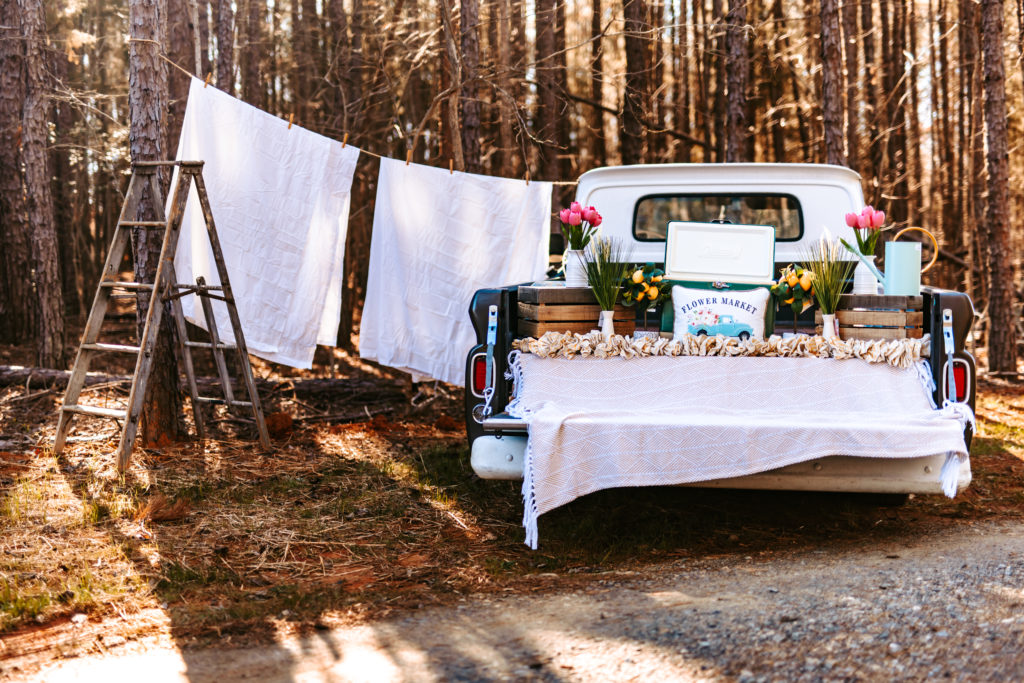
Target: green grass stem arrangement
{"x":606,"y":263}
{"x":831,"y":273}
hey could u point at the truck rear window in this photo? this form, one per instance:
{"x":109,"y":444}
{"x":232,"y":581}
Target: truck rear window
{"x":653,"y":213}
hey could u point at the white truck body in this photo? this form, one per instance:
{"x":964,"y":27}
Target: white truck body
{"x":825,"y":194}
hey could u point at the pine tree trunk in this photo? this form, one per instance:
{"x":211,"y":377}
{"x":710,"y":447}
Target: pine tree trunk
{"x":851,"y":42}
{"x":736,"y":67}
{"x":869,"y":97}
{"x":597,"y":85}
{"x":682,"y":94}
{"x":719,"y":113}
{"x":831,"y":83}
{"x":49,"y":301}
{"x":226,"y":46}
{"x":147,"y":97}
{"x":546,"y":126}
{"x":63,"y":189}
{"x":252,"y":91}
{"x":635,"y":96}
{"x":1003,"y":311}
{"x":180,"y":50}
{"x":16,"y":319}
{"x":470,"y":97}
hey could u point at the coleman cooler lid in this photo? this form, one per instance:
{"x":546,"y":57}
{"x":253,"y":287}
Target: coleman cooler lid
{"x":720,"y":252}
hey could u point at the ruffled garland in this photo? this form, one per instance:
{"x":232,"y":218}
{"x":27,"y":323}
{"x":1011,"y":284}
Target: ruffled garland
{"x":900,"y":353}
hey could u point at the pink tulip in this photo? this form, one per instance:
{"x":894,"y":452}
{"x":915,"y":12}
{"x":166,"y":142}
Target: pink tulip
{"x":577,"y":207}
{"x":575,"y":218}
{"x":877,"y":219}
{"x":596,"y":220}
{"x":563,"y":215}
{"x":851,"y":220}
{"x":864,"y":221}
{"x":590,"y":214}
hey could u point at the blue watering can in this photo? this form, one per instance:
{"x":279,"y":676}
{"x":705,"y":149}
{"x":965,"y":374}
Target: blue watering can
{"x":902,"y":265}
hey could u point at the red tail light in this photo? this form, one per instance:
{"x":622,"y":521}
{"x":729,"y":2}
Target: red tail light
{"x":479,"y":374}
{"x":960,"y":377}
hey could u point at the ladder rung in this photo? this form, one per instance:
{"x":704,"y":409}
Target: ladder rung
{"x":209,"y":345}
{"x":221,"y":402}
{"x":142,"y":224}
{"x":98,"y":412}
{"x":208,"y":288}
{"x":113,"y":284}
{"x":115,"y":348}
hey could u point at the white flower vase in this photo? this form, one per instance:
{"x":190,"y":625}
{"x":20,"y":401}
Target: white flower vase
{"x":575,"y":273}
{"x":864,"y":281}
{"x":607,"y":325}
{"x":829,"y":327}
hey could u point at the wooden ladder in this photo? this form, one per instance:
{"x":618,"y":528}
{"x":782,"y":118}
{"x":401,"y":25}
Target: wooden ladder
{"x":165,"y":288}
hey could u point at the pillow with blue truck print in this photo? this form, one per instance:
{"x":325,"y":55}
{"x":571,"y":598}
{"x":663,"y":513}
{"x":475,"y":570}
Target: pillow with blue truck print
{"x":713,"y":312}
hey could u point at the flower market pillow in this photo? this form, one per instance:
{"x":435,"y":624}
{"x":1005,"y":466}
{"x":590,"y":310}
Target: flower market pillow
{"x":712,"y":312}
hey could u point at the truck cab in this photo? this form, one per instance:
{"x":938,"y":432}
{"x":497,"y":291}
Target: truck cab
{"x":804,"y":202}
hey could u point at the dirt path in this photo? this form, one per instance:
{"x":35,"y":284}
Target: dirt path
{"x":934,"y":606}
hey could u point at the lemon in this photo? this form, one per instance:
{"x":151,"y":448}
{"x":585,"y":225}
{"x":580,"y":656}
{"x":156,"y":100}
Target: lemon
{"x":805,"y":280}
{"x":652,"y":293}
{"x":792,"y":279}
{"x":638,"y":276}
{"x":656,"y":278}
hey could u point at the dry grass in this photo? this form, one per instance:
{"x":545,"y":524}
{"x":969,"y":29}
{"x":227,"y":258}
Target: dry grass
{"x":348,"y":520}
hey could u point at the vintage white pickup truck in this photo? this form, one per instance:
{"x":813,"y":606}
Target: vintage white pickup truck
{"x":801,"y":201}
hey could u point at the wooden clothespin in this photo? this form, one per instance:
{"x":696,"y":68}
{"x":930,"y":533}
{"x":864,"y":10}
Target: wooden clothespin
{"x":291,"y":120}
{"x":207,"y":81}
{"x":451,"y":166}
{"x":527,"y":176}
{"x":408,"y":156}
{"x":344,"y":141}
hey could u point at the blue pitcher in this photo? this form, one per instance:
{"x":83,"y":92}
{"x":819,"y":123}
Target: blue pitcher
{"x":902,"y":265}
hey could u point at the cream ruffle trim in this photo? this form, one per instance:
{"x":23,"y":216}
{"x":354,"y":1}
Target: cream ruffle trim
{"x":900,"y":353}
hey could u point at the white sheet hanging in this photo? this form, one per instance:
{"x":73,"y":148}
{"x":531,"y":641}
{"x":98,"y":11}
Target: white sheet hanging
{"x":437,"y":238}
{"x":280,"y":201}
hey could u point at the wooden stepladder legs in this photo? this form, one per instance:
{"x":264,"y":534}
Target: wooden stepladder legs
{"x":165,"y":289}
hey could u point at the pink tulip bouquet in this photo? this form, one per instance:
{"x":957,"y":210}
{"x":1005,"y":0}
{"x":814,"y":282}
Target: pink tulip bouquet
{"x":579,"y":223}
{"x":867,"y":226}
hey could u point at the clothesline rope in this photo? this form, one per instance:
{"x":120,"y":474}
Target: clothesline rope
{"x":560,"y":183}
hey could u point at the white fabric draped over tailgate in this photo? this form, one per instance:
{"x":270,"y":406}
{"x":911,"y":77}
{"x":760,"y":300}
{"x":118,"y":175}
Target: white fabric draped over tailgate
{"x":437,"y":238}
{"x":605,"y":423}
{"x":280,"y":201}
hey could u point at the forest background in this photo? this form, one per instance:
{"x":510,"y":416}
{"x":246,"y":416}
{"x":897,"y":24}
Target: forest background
{"x":922,"y":98}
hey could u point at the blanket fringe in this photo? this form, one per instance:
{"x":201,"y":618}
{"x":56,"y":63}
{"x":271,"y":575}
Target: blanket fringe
{"x":950,"y":474}
{"x":530,"y":513}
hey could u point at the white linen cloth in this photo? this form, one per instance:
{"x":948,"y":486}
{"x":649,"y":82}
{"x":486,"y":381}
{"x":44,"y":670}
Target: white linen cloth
{"x":604,"y":423}
{"x":437,"y":238}
{"x":280,"y":200}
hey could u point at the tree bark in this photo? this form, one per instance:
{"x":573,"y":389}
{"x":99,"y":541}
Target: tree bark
{"x":1002,"y":309}
{"x":226,"y":46}
{"x":16,"y":320}
{"x":180,"y":49}
{"x":831,"y":83}
{"x":147,"y":97}
{"x":597,"y":85}
{"x":719,"y":112}
{"x":850,"y":50}
{"x":252,"y":91}
{"x":737,"y":67}
{"x":635,"y":97}
{"x":49,"y":300}
{"x":470,"y":96}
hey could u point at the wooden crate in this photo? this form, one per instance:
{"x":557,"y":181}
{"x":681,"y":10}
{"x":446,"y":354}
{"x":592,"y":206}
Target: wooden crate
{"x":566,"y":309}
{"x":867,"y":316}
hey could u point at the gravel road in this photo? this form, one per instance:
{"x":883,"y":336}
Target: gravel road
{"x":943,"y":606}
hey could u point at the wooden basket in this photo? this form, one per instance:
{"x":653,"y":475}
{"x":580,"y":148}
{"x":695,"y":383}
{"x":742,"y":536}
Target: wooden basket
{"x":869,"y":316}
{"x":566,"y":309}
